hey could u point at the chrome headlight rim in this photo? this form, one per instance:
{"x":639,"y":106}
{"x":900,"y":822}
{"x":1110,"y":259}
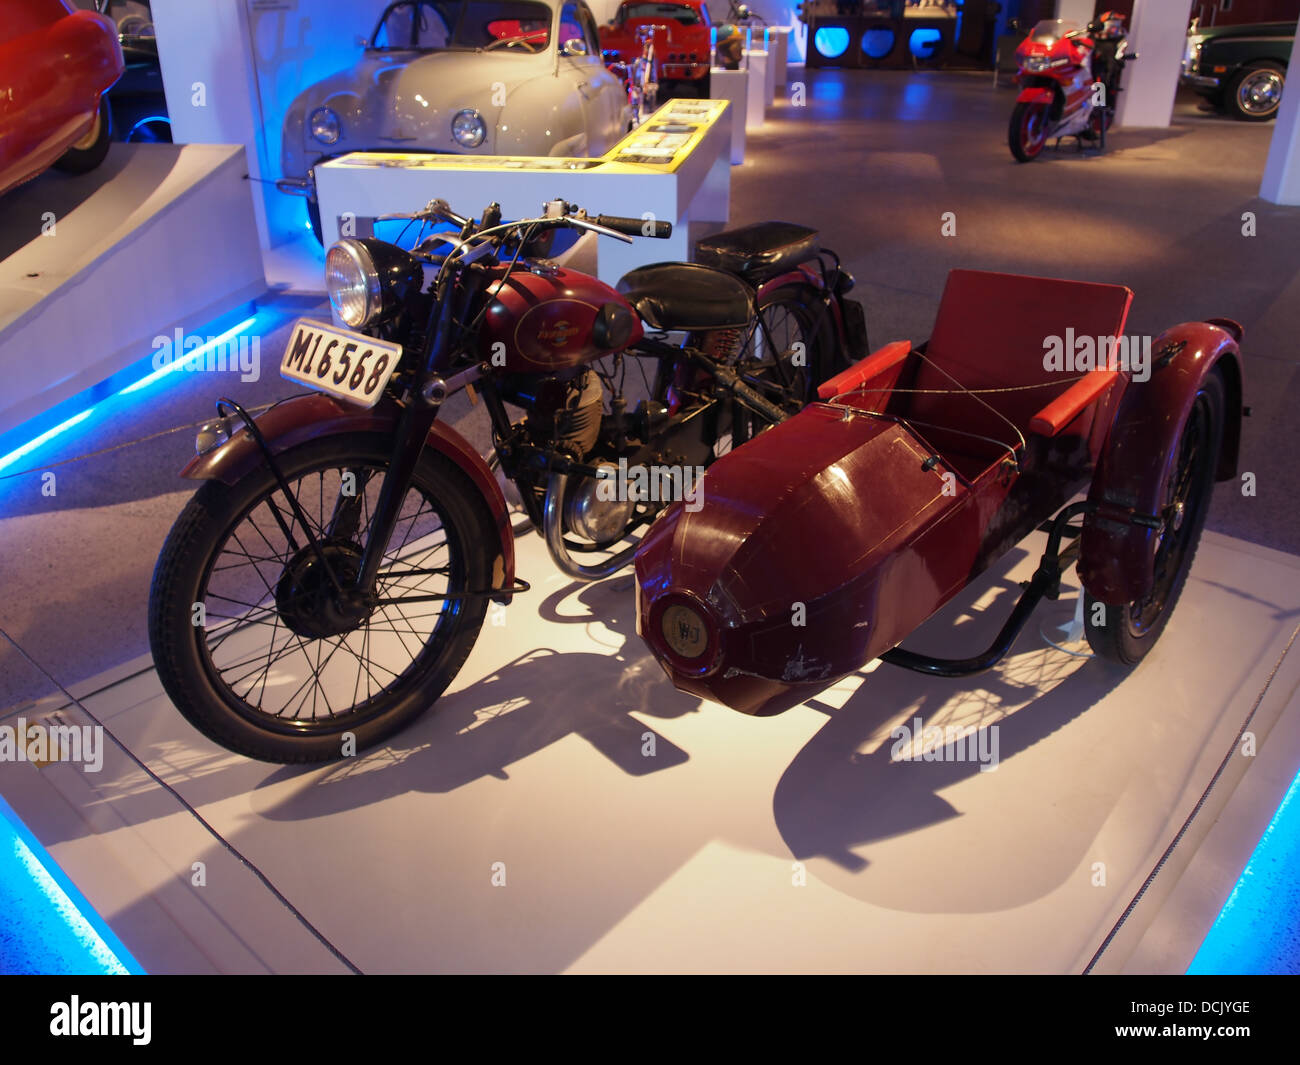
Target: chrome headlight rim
{"x":329,"y":121}
{"x":351,"y":255}
{"x":468,"y":128}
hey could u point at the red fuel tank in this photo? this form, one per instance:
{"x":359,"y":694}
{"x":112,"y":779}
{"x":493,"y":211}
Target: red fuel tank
{"x":541,"y":322}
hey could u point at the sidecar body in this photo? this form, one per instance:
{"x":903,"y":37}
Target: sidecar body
{"x":822,"y":543}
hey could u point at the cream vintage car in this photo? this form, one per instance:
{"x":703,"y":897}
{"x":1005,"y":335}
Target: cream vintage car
{"x":489,"y":77}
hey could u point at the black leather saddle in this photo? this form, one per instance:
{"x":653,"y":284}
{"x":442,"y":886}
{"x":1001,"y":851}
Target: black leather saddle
{"x":686,"y":296}
{"x":760,"y":251}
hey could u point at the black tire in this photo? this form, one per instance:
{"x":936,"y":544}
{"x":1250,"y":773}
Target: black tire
{"x":1126,"y":633}
{"x":1023,"y":136}
{"x":225,"y":552}
{"x":90,"y":151}
{"x":313,"y":216}
{"x":793,"y":313}
{"x":1255,"y":92}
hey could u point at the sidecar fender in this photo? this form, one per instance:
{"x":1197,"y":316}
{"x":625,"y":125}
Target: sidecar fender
{"x":312,"y":416}
{"x":1138,"y":456}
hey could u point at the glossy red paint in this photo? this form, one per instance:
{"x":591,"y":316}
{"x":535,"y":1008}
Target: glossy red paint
{"x":825,"y":541}
{"x":313,"y":415}
{"x":672,"y":39}
{"x":544,"y":321}
{"x":55,"y":64}
{"x":1138,"y":459}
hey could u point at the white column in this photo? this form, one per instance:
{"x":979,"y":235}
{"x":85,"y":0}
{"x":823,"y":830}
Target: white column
{"x":1282,"y":171}
{"x":1079,"y":11}
{"x":756,"y":114}
{"x":1159,"y":36}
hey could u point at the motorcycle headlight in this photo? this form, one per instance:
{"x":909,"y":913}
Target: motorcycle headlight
{"x":468,"y":128}
{"x":324,"y":125}
{"x":1036,"y":62}
{"x":353,"y":283}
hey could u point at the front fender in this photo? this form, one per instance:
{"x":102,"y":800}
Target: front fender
{"x":1138,"y":458}
{"x":1036,"y":94}
{"x":313,"y":415}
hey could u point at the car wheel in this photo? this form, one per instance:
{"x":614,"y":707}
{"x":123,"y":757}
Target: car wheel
{"x":89,"y":152}
{"x":1255,"y":91}
{"x":313,"y":216}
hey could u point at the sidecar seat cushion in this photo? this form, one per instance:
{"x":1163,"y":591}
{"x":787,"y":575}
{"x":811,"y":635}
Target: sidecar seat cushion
{"x":760,"y":251}
{"x":687,"y":296}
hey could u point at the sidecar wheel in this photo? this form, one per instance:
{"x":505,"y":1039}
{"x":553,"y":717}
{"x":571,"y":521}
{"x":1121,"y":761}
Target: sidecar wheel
{"x":1027,"y":131}
{"x":1126,"y":633}
{"x":275,"y":667}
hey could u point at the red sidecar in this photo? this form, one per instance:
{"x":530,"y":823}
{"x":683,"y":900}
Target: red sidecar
{"x":825,"y":541}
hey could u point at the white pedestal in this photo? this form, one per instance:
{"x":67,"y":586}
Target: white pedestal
{"x":733,"y":86}
{"x":778,"y":44}
{"x":769,"y":74}
{"x":757,"y":64}
{"x":697,"y":188}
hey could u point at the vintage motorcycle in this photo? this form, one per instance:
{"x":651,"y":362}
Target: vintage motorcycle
{"x":1069,"y":83}
{"x":328,"y":580}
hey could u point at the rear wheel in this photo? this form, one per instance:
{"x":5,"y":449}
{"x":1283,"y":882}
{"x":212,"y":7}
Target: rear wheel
{"x":787,"y":356}
{"x":1255,"y":92}
{"x":1027,"y":132}
{"x":261,"y":654}
{"x":1126,"y":633}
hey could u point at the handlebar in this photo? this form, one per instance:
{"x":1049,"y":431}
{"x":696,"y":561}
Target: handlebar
{"x":635,"y":227}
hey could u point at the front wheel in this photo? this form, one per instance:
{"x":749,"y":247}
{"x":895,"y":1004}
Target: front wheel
{"x":91,"y":150}
{"x":1027,"y":132}
{"x":1126,"y":633}
{"x":257,"y":648}
{"x":1255,"y":92}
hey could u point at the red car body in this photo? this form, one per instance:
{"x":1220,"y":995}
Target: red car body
{"x":55,"y":65}
{"x":682,"y":45}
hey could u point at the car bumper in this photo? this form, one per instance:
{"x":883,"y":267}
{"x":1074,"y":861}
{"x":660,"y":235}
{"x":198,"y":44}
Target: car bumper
{"x":1202,"y":82}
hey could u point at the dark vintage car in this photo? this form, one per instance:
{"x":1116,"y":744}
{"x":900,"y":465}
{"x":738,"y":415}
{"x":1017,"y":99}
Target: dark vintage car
{"x":1240,"y":69}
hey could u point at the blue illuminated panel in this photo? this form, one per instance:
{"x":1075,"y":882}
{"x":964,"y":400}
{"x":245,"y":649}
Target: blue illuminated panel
{"x":49,"y":928}
{"x":1258,"y":930}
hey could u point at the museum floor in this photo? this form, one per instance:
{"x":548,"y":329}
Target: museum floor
{"x":684,"y":862}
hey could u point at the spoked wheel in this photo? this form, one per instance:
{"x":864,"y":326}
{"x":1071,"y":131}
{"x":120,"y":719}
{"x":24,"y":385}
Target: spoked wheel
{"x":1126,"y":633}
{"x":257,"y":647}
{"x":1027,"y":133}
{"x":786,"y":358}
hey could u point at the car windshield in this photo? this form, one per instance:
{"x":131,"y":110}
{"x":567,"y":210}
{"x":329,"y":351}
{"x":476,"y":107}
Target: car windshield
{"x":437,"y":25}
{"x":687,"y":16}
{"x":1050,"y":30}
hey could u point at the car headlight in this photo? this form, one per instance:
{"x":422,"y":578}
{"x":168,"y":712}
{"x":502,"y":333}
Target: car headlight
{"x":353,"y":283}
{"x":324,"y":125}
{"x":468,"y":128}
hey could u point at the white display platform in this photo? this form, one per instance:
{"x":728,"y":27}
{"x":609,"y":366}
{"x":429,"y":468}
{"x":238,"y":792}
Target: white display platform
{"x":166,"y":239}
{"x":691,"y":186}
{"x":733,"y":86}
{"x":686,"y":860}
{"x":756,"y":64}
{"x":778,"y":44}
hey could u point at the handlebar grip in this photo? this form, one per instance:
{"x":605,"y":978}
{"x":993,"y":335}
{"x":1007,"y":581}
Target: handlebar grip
{"x":635,"y":227}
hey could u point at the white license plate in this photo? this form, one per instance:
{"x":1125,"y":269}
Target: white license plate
{"x":341,"y":363}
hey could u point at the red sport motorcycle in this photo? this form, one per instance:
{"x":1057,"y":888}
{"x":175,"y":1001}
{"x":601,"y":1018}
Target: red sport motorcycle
{"x":1069,"y":82}
{"x":328,"y":579}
